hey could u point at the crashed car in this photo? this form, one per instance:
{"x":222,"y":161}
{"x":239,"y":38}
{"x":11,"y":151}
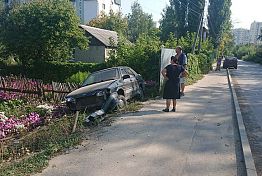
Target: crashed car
{"x":230,"y":62}
{"x":107,"y":89}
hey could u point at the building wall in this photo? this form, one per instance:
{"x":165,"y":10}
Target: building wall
{"x":241,"y":36}
{"x":107,"y":5}
{"x":255,"y":31}
{"x":94,"y":54}
{"x":90,"y":9}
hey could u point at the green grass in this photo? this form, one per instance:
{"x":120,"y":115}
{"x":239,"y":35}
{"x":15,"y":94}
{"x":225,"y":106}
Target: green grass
{"x":193,"y":79}
{"x":49,"y":141}
{"x":37,"y":162}
{"x":43,"y":144}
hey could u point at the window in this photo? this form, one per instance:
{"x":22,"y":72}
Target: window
{"x":103,"y":6}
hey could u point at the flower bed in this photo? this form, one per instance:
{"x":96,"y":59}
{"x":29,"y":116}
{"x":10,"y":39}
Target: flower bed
{"x":18,"y":115}
{"x":4,"y":96}
{"x":13,"y":125}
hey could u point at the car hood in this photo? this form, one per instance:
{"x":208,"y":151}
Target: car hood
{"x":90,"y":88}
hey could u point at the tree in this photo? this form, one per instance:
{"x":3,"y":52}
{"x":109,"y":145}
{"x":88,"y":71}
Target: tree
{"x":219,"y":20}
{"x":139,"y":22}
{"x":181,"y":17}
{"x":180,"y":8}
{"x":113,"y":21}
{"x":195,"y":9}
{"x":42,"y":31}
{"x":3,"y":14}
{"x":167,"y":23}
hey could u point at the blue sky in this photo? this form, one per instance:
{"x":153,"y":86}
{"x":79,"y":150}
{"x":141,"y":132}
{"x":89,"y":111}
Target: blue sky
{"x":244,"y":12}
{"x":154,"y":7}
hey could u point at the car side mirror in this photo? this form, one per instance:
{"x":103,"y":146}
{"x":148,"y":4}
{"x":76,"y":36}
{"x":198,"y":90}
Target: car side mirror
{"x":126,"y":77}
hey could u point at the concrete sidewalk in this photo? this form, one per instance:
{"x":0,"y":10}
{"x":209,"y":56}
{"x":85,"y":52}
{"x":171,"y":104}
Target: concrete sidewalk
{"x":196,"y":140}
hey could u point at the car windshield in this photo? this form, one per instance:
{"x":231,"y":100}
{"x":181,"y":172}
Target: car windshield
{"x":101,"y":76}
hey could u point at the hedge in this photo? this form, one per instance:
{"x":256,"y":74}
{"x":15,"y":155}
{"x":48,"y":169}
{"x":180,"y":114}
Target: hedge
{"x":198,"y":65}
{"x":148,"y":68}
{"x":51,"y":71}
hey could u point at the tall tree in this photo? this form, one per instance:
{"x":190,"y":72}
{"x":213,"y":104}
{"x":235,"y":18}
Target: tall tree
{"x":194,"y":13}
{"x":113,"y":21}
{"x":181,"y":17}
{"x":168,"y":23}
{"x":43,"y":31}
{"x":139,"y":22}
{"x":219,"y":20}
{"x":180,"y":11}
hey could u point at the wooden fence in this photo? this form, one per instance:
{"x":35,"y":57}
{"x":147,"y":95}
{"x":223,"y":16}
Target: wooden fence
{"x":33,"y":88}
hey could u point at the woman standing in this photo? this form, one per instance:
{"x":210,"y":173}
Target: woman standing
{"x":171,"y":74}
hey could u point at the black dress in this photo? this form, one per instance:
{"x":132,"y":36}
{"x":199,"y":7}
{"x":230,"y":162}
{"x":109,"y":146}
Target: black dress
{"x":172,"y":85}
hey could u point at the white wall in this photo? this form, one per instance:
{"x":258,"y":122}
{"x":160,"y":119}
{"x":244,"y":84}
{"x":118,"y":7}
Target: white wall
{"x":109,"y":4}
{"x":255,"y":31}
{"x":90,"y":11}
{"x":92,"y":8}
{"x":241,"y":36}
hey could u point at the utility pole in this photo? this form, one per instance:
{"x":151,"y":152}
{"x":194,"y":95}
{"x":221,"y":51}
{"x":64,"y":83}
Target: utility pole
{"x":200,"y":35}
{"x":200,"y":30}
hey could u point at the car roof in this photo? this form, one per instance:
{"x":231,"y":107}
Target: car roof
{"x":118,"y":67}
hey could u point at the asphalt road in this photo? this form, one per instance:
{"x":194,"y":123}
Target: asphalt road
{"x":248,"y":81}
{"x":197,"y":140}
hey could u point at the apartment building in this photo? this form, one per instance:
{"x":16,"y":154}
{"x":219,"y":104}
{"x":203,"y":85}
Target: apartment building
{"x":87,"y":9}
{"x":90,"y":9}
{"x":241,"y":36}
{"x":255,"y":31}
{"x":8,"y":2}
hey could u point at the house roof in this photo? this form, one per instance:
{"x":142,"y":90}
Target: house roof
{"x":104,"y":36}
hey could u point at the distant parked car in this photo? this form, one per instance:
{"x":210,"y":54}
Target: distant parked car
{"x":122,"y":82}
{"x":230,"y":62}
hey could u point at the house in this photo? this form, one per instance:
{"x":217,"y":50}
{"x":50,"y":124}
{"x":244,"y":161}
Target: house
{"x":101,"y":43}
{"x":90,"y":9}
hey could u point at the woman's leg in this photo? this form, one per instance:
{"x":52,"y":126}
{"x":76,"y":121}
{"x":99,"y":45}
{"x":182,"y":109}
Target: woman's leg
{"x":168,"y":102}
{"x":174,"y":103}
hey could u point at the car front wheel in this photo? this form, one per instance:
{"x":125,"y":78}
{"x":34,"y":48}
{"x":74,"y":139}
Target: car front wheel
{"x":121,"y":105}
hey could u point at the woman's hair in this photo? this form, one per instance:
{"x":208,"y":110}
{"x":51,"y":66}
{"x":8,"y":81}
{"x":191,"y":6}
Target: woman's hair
{"x":174,"y":59}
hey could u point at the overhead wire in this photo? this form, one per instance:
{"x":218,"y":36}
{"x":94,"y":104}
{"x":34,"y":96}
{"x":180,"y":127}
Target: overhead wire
{"x":188,"y":7}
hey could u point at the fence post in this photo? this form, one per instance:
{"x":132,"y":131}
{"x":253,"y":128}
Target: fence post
{"x":76,"y":119}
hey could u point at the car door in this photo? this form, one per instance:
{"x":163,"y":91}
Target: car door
{"x":127,"y":83}
{"x":135,"y":84}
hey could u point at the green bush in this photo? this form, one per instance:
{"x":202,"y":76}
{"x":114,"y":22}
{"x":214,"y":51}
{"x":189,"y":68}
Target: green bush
{"x":78,"y":77}
{"x":198,"y":65}
{"x":51,"y":71}
{"x":143,"y":57}
{"x":249,"y":53}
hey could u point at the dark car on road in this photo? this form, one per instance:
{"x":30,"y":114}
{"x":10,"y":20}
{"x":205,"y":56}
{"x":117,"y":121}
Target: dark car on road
{"x":230,"y":62}
{"x":123,"y":82}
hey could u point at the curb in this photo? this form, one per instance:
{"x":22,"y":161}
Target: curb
{"x":246,"y":150}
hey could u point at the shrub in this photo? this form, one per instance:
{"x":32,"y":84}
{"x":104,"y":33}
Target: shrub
{"x":78,"y":77}
{"x":51,"y":71}
{"x":198,"y":65}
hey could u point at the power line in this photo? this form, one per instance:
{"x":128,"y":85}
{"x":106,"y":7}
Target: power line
{"x":187,"y":7}
{"x":194,"y":3}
